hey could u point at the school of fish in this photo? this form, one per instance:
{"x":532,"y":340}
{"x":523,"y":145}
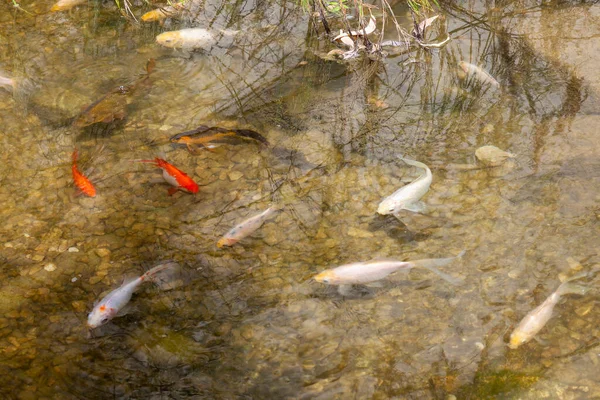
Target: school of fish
{"x":113,"y":106}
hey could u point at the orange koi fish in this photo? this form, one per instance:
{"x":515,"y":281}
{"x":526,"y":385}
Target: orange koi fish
{"x":174,"y":176}
{"x":81,"y":181}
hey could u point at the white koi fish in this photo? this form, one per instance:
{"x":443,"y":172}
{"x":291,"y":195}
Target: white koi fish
{"x":535,"y":320}
{"x":64,"y":5}
{"x":407,"y":197}
{"x":107,"y":308}
{"x":479,"y":73}
{"x":192,"y":38}
{"x":245,"y":228}
{"x":371,"y":271}
{"x":7,"y":83}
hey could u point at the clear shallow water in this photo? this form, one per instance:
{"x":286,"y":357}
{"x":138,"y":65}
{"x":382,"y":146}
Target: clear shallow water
{"x":248,"y":322}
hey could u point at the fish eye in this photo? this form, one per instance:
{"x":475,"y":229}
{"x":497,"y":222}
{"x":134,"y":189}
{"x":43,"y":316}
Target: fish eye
{"x":325,"y":280}
{"x":104,"y":320}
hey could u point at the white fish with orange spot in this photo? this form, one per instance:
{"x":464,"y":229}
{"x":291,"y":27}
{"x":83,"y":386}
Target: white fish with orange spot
{"x":537,"y":318}
{"x":372,"y":271}
{"x":246,"y":227}
{"x":107,"y":308}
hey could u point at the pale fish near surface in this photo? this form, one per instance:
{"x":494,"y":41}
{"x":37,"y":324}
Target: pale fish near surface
{"x":408,"y":196}
{"x":535,"y":320}
{"x":192,"y":38}
{"x":113,"y":302}
{"x":492,"y":156}
{"x":246,"y":227}
{"x":64,"y":5}
{"x":479,"y":73}
{"x":7,"y":83}
{"x":371,"y":271}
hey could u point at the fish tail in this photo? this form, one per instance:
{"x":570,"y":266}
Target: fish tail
{"x":431,"y":264}
{"x":414,"y":163}
{"x":448,"y":278}
{"x":155,"y":161}
{"x":571,"y":288}
{"x":151,"y":272}
{"x":150,"y":65}
{"x":252,"y":135}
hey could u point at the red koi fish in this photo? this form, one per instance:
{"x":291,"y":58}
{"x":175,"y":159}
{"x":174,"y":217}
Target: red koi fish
{"x":81,"y":181}
{"x":174,"y":176}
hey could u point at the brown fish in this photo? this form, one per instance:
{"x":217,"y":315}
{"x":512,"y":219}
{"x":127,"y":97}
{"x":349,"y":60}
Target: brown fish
{"x":113,"y":105}
{"x":211,"y":137}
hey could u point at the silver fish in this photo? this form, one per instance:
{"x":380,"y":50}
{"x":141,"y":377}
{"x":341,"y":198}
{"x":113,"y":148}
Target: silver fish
{"x":107,"y":308}
{"x":245,"y":228}
{"x":371,"y":271}
{"x":407,"y":197}
{"x":479,"y":73}
{"x":535,"y":320}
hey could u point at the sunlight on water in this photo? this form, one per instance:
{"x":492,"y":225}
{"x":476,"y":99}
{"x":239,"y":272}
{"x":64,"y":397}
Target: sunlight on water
{"x":248,"y":320}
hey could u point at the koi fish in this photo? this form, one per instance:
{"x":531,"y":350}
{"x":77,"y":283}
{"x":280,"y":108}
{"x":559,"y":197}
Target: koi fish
{"x":535,"y":320}
{"x":63,"y":5}
{"x":245,"y":228}
{"x":371,"y":271}
{"x":211,"y":137}
{"x":492,"y":156}
{"x":113,"y":105}
{"x":7,"y":83}
{"x":407,"y":197}
{"x":192,"y":38}
{"x":107,"y":308}
{"x":478,"y":73}
{"x":174,"y":176}
{"x":81,"y":181}
{"x":160,"y":14}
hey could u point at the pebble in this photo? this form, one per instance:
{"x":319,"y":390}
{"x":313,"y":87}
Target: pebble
{"x":103,"y":252}
{"x":235,"y":175}
{"x":73,"y":250}
{"x":50,"y":267}
{"x":354,"y":232}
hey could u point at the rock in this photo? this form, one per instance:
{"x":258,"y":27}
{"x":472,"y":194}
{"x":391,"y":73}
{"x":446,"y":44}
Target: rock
{"x":235,"y":175}
{"x":50,"y":267}
{"x":354,"y":232}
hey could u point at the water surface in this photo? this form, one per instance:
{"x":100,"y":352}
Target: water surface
{"x":248,"y":321}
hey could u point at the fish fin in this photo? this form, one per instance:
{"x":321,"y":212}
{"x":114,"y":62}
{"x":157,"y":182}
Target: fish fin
{"x":462,"y":253}
{"x":124,"y":311}
{"x":541,"y":341}
{"x":109,"y":119}
{"x":193,"y":149}
{"x":570,"y":288}
{"x":172,"y":191}
{"x":345,"y":290}
{"x":378,"y":284}
{"x":416,"y":207}
{"x":150,"y":65}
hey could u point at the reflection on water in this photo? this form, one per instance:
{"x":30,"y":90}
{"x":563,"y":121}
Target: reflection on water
{"x":249,"y":321}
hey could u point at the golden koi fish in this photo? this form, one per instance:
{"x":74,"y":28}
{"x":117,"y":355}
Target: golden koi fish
{"x":211,"y":137}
